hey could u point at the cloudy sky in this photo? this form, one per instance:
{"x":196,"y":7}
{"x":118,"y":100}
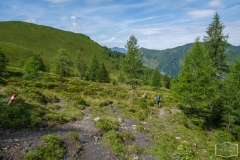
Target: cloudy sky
{"x":157,"y":24}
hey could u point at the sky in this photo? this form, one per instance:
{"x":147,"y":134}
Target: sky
{"x":157,"y":24}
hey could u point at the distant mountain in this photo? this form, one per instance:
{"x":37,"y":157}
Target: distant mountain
{"x":122,"y":50}
{"x":170,"y":61}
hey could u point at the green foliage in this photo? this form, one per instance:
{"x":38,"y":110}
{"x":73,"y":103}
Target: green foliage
{"x":131,"y":64}
{"x":103,"y":76}
{"x":32,"y":66}
{"x":81,"y":66}
{"x":75,"y":137}
{"x":3,"y":64}
{"x":216,"y":44}
{"x":20,"y":114}
{"x":166,"y":81}
{"x":195,"y":87}
{"x":63,"y":65}
{"x":53,"y":149}
{"x":231,"y":94}
{"x":113,"y":139}
{"x":22,"y":39}
{"x":106,"y":124}
{"x":93,"y":71}
{"x":156,"y":79}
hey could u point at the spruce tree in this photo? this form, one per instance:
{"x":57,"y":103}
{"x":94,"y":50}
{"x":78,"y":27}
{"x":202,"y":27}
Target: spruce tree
{"x":195,"y":88}
{"x":81,"y":66}
{"x":156,"y":79}
{"x":93,"y":71}
{"x":63,"y":65}
{"x":166,"y":81}
{"x":103,"y":75}
{"x":131,"y":64}
{"x":231,"y":111}
{"x":216,"y":44}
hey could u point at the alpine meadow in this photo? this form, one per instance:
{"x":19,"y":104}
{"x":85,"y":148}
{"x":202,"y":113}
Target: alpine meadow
{"x":72,"y":98}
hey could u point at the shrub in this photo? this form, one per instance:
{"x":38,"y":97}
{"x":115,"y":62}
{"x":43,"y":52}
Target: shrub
{"x":113,"y":140}
{"x":106,"y":125}
{"x":52,"y":150}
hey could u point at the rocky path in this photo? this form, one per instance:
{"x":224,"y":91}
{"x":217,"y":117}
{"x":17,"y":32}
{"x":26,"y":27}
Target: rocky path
{"x":14,"y":144}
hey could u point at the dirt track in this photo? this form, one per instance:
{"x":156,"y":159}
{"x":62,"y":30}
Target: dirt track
{"x":14,"y":144}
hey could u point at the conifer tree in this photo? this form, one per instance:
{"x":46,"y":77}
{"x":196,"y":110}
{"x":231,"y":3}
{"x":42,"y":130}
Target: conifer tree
{"x":131,"y":64}
{"x":166,"y":81}
{"x":216,"y":44}
{"x":156,"y":79}
{"x":81,"y":66}
{"x":195,"y":88}
{"x":63,"y":65}
{"x":93,"y":71}
{"x":103,"y":75}
{"x":32,"y":66}
{"x":231,"y":94}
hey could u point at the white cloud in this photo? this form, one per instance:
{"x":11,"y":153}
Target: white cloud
{"x":31,"y":20}
{"x":215,"y":3}
{"x":75,"y":25}
{"x":201,"y":13}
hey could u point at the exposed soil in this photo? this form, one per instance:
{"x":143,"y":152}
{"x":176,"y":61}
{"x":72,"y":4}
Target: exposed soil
{"x":14,"y":144}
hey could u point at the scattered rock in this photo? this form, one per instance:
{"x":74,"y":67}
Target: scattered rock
{"x":97,"y":119}
{"x":144,"y":123}
{"x":120,"y":120}
{"x":178,"y":137}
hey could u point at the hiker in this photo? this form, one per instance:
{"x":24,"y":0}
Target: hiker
{"x":158,"y":99}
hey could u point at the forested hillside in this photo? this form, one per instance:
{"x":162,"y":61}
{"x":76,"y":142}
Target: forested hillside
{"x":170,"y":61}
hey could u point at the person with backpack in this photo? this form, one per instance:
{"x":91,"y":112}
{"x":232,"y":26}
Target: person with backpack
{"x":158,"y":99}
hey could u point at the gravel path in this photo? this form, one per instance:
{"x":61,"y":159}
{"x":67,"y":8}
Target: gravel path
{"x":14,"y":144}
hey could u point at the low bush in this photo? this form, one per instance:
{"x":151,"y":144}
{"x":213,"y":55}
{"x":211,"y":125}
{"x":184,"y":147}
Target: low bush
{"x":106,"y":125}
{"x":53,"y":149}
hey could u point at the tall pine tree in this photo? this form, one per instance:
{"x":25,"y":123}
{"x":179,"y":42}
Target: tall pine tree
{"x":103,"y":75}
{"x":131,"y":64}
{"x":231,"y":111}
{"x":93,"y":71}
{"x":63,"y":65}
{"x":156,"y":79}
{"x":195,"y":88}
{"x":216,"y":44}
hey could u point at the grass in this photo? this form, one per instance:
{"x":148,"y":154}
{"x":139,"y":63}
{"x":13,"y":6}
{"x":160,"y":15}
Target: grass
{"x":175,"y":137}
{"x":53,"y":149}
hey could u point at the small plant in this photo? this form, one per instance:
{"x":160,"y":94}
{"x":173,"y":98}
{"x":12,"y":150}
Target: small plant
{"x":106,"y":125}
{"x":127,"y":137}
{"x":75,"y":138}
{"x":52,"y":150}
{"x":113,"y":140}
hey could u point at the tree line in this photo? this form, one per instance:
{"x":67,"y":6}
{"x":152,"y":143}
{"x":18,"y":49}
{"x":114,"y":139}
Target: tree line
{"x":207,"y":86}
{"x":96,"y":70}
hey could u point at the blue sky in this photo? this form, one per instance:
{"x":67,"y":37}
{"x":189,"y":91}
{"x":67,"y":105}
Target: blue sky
{"x":157,"y":24}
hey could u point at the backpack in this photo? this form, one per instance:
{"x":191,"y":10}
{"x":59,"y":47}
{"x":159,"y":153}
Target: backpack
{"x":158,"y":99}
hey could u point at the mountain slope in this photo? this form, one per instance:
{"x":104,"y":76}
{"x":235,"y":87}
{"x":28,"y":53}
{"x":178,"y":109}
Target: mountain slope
{"x":19,"y":40}
{"x":169,"y":61}
{"x":122,"y":50}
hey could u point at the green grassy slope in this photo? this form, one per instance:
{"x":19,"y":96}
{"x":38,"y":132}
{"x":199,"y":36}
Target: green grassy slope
{"x":18,"y":40}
